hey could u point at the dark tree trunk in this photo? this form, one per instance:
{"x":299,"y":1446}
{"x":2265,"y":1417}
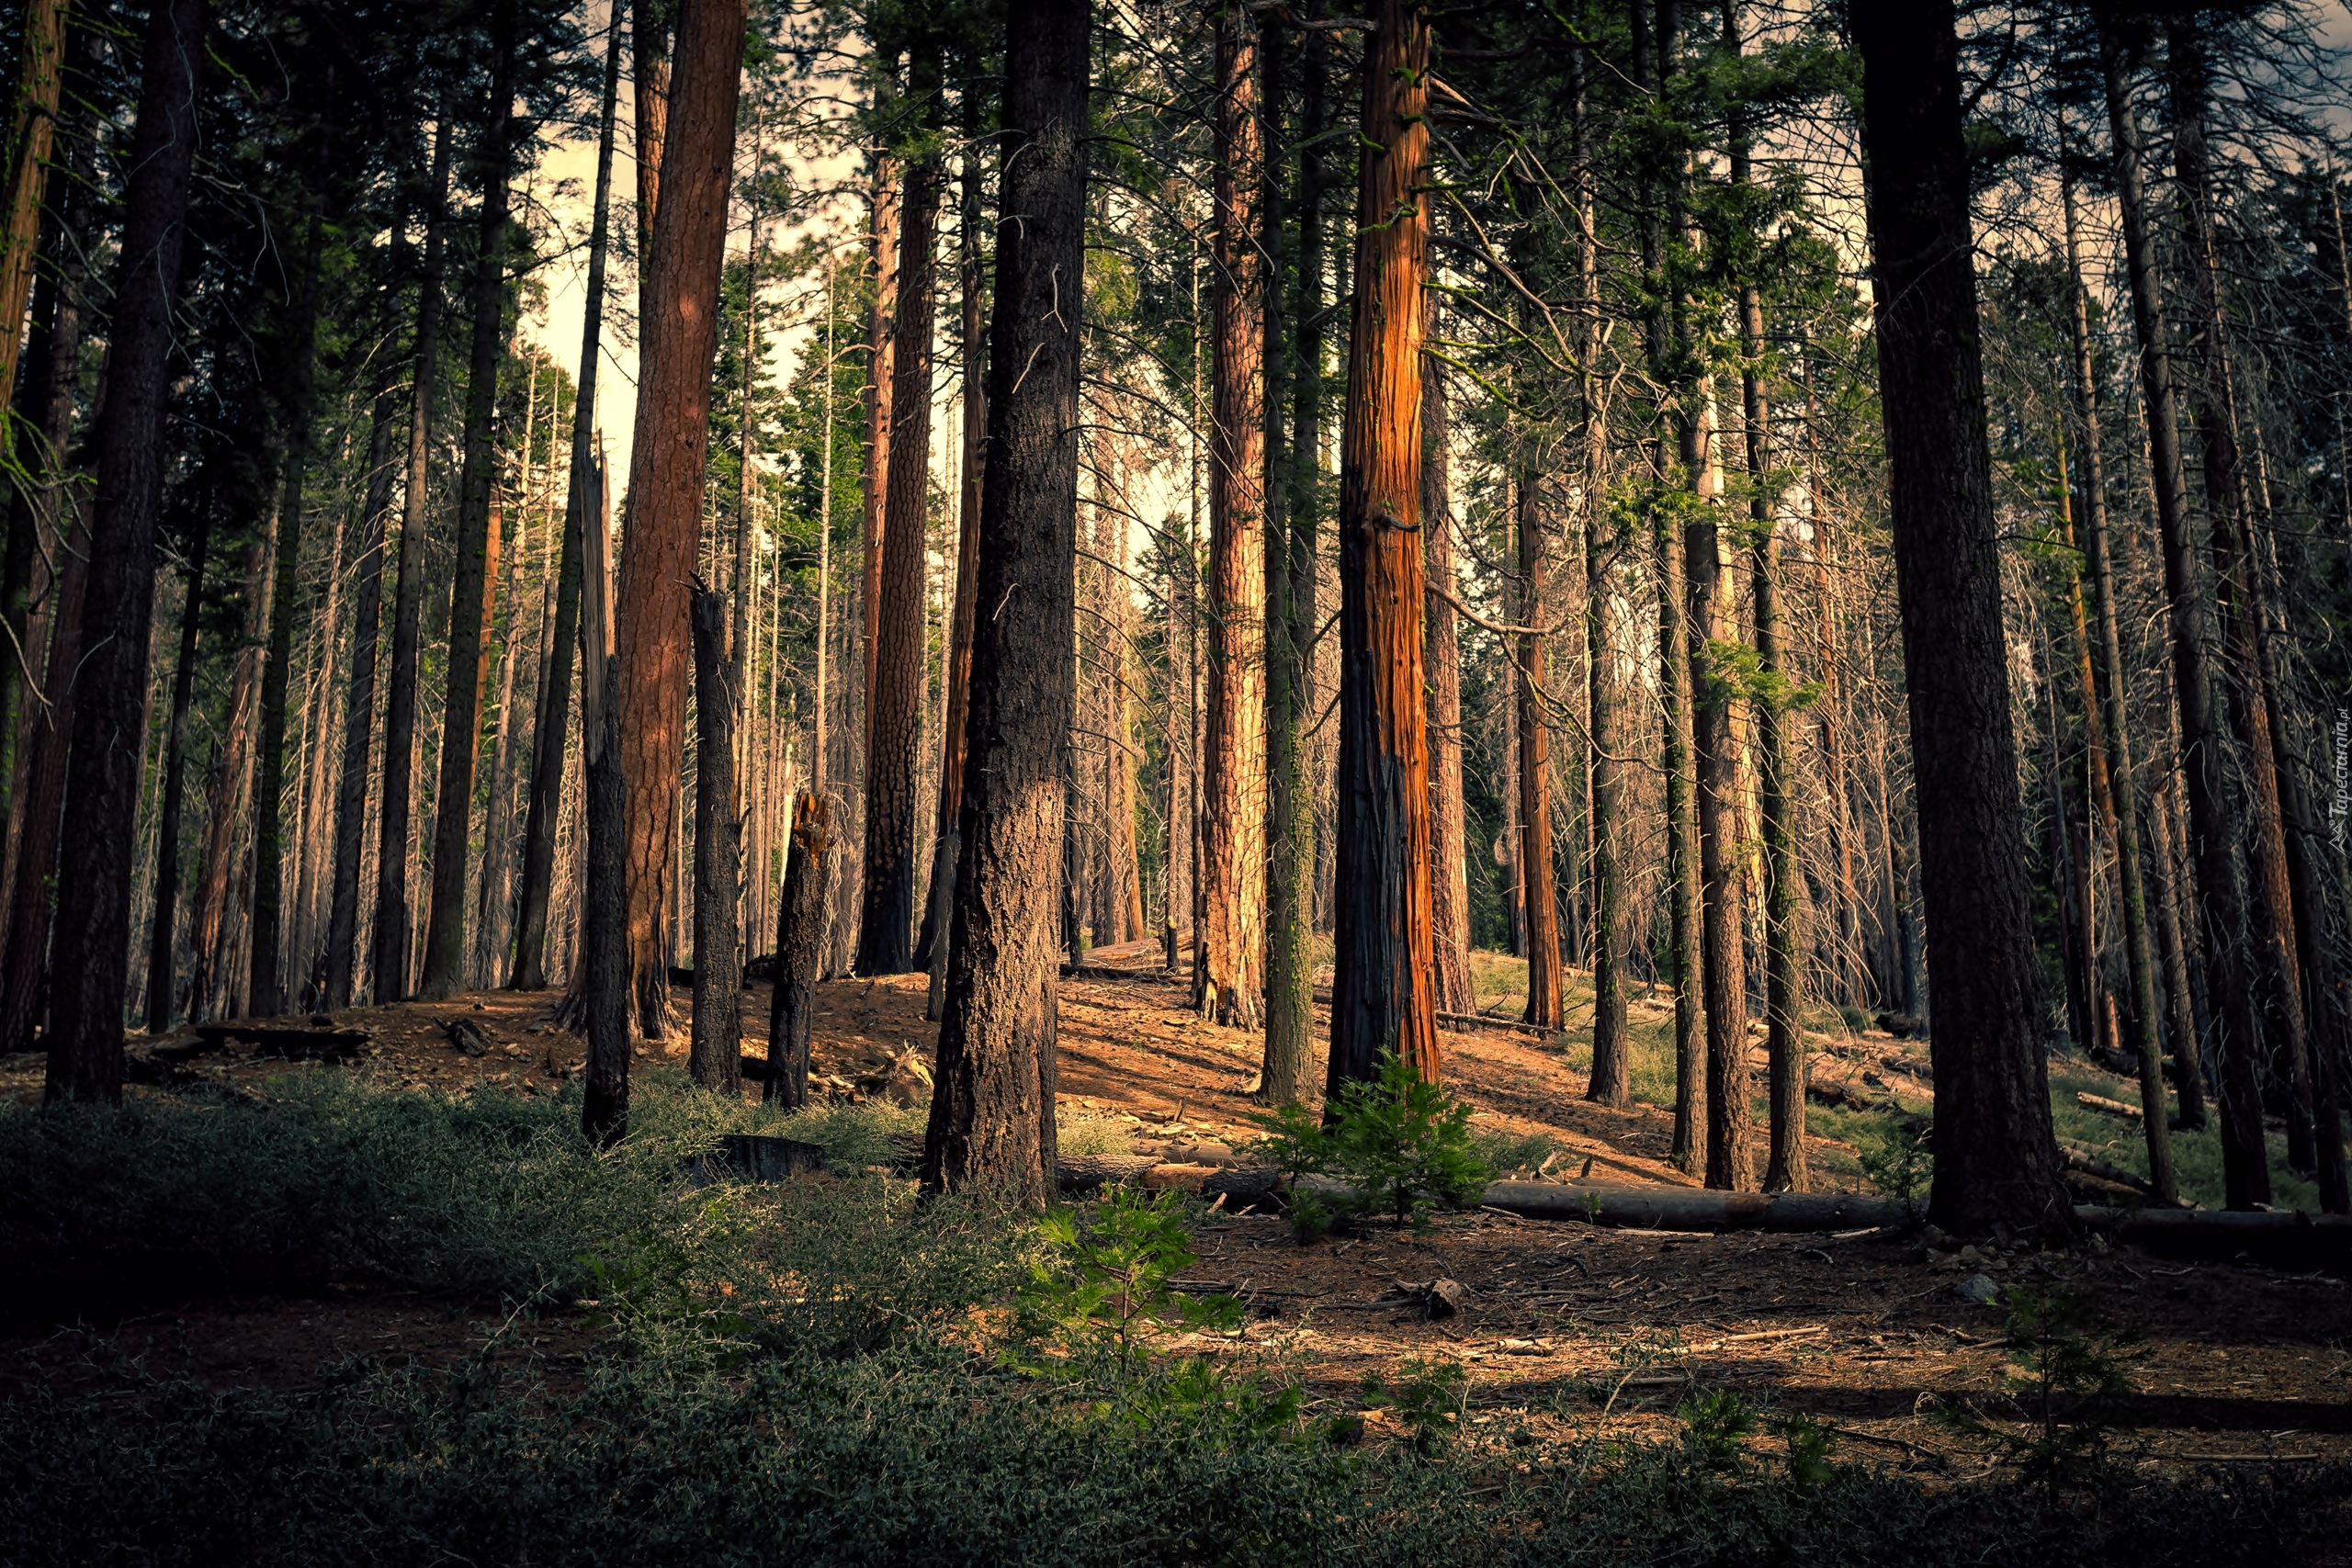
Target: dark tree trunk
{"x":93,"y":926}
{"x":265,"y":991}
{"x":1382,"y":999}
{"x":2180,"y":997}
{"x":992,"y":1103}
{"x":554,"y":718}
{"x":1996,"y":1160}
{"x":799,"y":943}
{"x":1538,"y":880}
{"x":1230,"y":978}
{"x":359,"y":715}
{"x":25,"y":958}
{"x":2212,"y":827}
{"x":715,"y":1046}
{"x":161,"y":971}
{"x":606,"y":992}
{"x":894,"y":703}
{"x":397,"y":824}
{"x":232,"y":781}
{"x":473,"y":596}
{"x":667,"y":474}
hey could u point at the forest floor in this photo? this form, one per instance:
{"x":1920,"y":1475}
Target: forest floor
{"x":1569,"y":1328}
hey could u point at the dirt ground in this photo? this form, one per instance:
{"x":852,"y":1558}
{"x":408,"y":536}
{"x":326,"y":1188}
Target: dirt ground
{"x":2234,"y":1362}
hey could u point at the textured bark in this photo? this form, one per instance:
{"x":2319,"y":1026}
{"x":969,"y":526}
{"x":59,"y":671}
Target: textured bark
{"x":359,"y":714}
{"x":1449,"y":830}
{"x":799,"y":943}
{"x":1382,"y":999}
{"x":266,"y":991}
{"x":894,"y":701}
{"x":25,"y":958}
{"x":1538,"y":881}
{"x":1228,"y":966}
{"x":667,"y":469}
{"x":93,"y":924}
{"x":398,"y":822}
{"x":607,"y":993}
{"x":473,"y":594}
{"x":580,"y":506}
{"x":2180,"y":1002}
{"x":2147,"y":1046}
{"x":232,"y":777}
{"x":32,"y":120}
{"x":1722,"y":961}
{"x":992,"y":1101}
{"x":1996,"y":1160}
{"x":2212,"y":828}
{"x":161,"y":971}
{"x":714,"y":1053}
{"x":650,"y":44}
{"x":881,"y":339}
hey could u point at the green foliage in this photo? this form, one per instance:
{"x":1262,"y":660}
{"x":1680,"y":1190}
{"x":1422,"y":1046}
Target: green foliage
{"x":1714,"y":1423}
{"x":1809,"y":1442}
{"x":1428,"y":1398}
{"x":1102,"y":1291}
{"x":2067,"y":1364}
{"x":1901,"y":1163}
{"x":1401,"y":1145}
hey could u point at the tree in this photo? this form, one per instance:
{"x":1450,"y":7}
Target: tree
{"x":992,"y":1099}
{"x":92,"y":923}
{"x":1538,"y":874}
{"x":715,"y":1032}
{"x":1995,"y":1159}
{"x":668,"y":471}
{"x":1382,"y":999}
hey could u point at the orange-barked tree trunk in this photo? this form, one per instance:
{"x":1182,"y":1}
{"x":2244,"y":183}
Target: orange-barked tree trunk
{"x":1229,"y":975}
{"x":1542,"y":894}
{"x":1441,"y":653}
{"x":666,"y":477}
{"x":1381,"y":998}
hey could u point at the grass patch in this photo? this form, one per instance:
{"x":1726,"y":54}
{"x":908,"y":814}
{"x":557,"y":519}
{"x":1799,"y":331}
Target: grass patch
{"x":2196,"y":1154}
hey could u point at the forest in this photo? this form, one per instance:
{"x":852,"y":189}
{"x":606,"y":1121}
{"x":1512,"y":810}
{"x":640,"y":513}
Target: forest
{"x":1176,"y":781}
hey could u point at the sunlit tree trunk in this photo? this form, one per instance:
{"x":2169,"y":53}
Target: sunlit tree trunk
{"x":1538,"y":878}
{"x":1449,"y":828}
{"x":1382,"y":997}
{"x":992,"y":1099}
{"x":32,"y":120}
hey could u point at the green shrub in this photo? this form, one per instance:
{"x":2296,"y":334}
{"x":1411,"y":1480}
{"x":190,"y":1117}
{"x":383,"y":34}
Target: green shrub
{"x":1401,"y":1145}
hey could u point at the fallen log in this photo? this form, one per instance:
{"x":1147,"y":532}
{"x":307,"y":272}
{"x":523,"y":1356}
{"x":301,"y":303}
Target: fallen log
{"x":746,"y":1156}
{"x":2078,"y":1160}
{"x":2274,"y":1238}
{"x":1695,"y":1208}
{"x":2112,"y":1107}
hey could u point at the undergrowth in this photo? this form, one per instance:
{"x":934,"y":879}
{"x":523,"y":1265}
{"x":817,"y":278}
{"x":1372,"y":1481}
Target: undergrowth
{"x":826,"y":1372}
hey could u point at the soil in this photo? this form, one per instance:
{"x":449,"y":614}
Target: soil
{"x":1563,"y":1325}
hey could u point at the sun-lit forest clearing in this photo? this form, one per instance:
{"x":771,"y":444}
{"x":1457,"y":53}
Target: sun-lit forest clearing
{"x":1113,"y":781}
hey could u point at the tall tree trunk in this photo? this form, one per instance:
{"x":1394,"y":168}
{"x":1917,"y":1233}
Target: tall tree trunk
{"x":2212,"y":829}
{"x":93,"y":924}
{"x":894,"y":703}
{"x":32,"y":120}
{"x":650,"y":43}
{"x":881,"y":341}
{"x":1537,"y":877}
{"x":2272,"y":945}
{"x":398,"y":824}
{"x":1611,"y":1081}
{"x":266,"y":989}
{"x":716,"y":1037}
{"x":1290,"y":795}
{"x":359,"y":716}
{"x":800,"y":941}
{"x":667,"y":471}
{"x":992,"y":1101}
{"x":1653,"y":62}
{"x":1449,"y":823}
{"x":1722,"y":960}
{"x":2180,"y":998}
{"x":25,"y":959}
{"x":232,"y":780}
{"x":473,"y":594}
{"x":1381,"y":998}
{"x":1228,"y":971}
{"x":1996,"y":1162}
{"x":161,"y":947}
{"x":2139,"y":953}
{"x":555,"y":669}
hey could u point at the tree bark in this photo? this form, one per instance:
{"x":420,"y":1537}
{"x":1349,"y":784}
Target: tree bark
{"x":25,"y":959}
{"x":555,"y":673}
{"x":32,"y":120}
{"x":359,"y":716}
{"x":162,"y":974}
{"x":894,"y":702}
{"x":799,"y":943}
{"x":881,"y":340}
{"x":2180,"y":1000}
{"x":716,"y":1039}
{"x":266,"y":991}
{"x":667,"y":471}
{"x":1229,"y":939}
{"x":1449,"y":828}
{"x":1539,"y":876}
{"x":1996,"y":1162}
{"x":232,"y":781}
{"x":2212,"y":829}
{"x":650,"y":43}
{"x":992,"y":1099}
{"x":398,"y":822}
{"x":1382,"y":1000}
{"x":473,"y":594}
{"x":93,"y":923}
